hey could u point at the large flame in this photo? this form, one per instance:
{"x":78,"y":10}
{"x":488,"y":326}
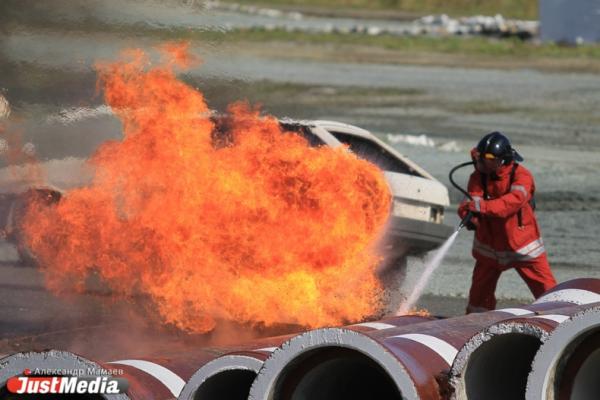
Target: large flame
{"x":262,"y":229}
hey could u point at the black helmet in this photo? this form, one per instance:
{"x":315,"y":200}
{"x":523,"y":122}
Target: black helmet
{"x":499,"y":146}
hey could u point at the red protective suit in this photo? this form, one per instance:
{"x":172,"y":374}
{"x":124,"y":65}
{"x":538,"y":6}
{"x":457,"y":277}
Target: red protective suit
{"x":507,"y":235}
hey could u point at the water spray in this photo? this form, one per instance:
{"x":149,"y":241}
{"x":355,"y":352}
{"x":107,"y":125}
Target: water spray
{"x":434,"y":260}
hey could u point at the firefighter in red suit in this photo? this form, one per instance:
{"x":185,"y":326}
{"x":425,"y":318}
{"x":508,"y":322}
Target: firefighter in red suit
{"x":506,"y":231}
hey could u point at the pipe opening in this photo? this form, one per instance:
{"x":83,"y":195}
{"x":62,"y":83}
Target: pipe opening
{"x":230,"y":384}
{"x":577,"y":377}
{"x":335,"y":373}
{"x":498,"y":369}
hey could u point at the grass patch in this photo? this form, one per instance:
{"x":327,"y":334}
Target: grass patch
{"x":451,"y":44}
{"x":34,"y":83}
{"x":470,"y":46}
{"x":523,"y":9}
{"x":475,"y":45}
{"x":296,"y":99}
{"x":357,"y":47}
{"x":482,"y":107}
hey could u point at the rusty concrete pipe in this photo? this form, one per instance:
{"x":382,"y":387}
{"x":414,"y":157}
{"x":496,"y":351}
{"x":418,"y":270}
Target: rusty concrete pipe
{"x":577,"y":291}
{"x":567,"y":364}
{"x":331,"y":363}
{"x":409,"y":362}
{"x":162,"y":378}
{"x":231,"y":375}
{"x":391,"y":322}
{"x":227,"y":377}
{"x":51,"y":360}
{"x":148,"y":378}
{"x":494,"y":364}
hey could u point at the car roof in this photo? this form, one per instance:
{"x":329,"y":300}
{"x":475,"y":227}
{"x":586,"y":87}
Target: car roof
{"x":360,"y":132}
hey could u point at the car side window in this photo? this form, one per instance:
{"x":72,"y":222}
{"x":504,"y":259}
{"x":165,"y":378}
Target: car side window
{"x":305,"y":132}
{"x":374,"y":153}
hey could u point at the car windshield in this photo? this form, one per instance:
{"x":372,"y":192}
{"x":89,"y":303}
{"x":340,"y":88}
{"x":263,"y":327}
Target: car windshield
{"x":374,"y":153}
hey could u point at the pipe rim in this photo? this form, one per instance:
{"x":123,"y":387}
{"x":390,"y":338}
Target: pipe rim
{"x":461,"y":361}
{"x":229,"y":362}
{"x":50,"y":359}
{"x":570,"y":295}
{"x":265,"y":383}
{"x":546,"y":360}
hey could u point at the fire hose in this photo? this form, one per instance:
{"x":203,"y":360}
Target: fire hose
{"x":469,"y":215}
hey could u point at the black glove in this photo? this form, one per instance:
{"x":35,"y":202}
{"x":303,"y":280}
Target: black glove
{"x":471,"y":226}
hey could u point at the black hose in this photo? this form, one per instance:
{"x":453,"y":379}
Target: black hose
{"x":452,"y":171}
{"x":469,"y":215}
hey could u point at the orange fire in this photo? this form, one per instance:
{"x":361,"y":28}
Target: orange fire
{"x":423,"y":312}
{"x":263,"y":229}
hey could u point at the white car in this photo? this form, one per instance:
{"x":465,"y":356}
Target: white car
{"x":416,"y":223}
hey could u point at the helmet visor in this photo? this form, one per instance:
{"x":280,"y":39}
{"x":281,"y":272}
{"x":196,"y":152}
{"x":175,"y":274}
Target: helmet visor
{"x":488,"y":162}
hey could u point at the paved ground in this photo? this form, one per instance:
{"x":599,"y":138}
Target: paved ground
{"x":34,"y":319}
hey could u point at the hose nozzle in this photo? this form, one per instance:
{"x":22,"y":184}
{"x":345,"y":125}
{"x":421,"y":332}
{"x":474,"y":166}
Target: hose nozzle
{"x":465,"y":220}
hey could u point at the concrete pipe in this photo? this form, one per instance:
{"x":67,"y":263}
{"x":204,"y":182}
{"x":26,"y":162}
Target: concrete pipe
{"x":51,"y":363}
{"x":391,"y":322}
{"x":567,"y":364}
{"x":494,"y":364}
{"x":409,"y":362}
{"x":577,"y":291}
{"x":162,"y":378}
{"x":231,"y":376}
